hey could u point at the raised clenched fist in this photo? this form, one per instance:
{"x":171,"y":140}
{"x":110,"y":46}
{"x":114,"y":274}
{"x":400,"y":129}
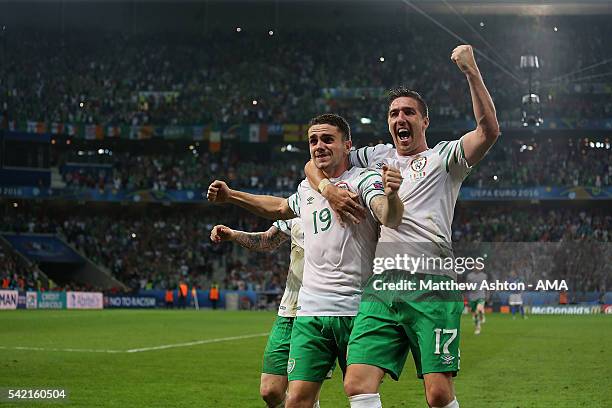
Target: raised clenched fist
{"x":392,"y":179}
{"x":463,"y":56}
{"x":221,"y":233}
{"x":218,"y":192}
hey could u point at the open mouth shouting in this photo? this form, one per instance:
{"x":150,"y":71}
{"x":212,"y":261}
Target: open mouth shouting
{"x":404,"y":136}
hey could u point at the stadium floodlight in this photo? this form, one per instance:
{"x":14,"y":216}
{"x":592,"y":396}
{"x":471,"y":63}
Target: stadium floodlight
{"x":531,"y":110}
{"x":366,"y":121}
{"x":529,"y":63}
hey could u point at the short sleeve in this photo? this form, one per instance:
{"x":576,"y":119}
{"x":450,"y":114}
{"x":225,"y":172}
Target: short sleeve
{"x":284,"y":226}
{"x":368,"y":157}
{"x":370,"y":185}
{"x":294,"y":203}
{"x":453,"y":158}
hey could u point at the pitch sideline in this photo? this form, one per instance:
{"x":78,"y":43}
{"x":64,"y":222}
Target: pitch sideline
{"x":137,"y":350}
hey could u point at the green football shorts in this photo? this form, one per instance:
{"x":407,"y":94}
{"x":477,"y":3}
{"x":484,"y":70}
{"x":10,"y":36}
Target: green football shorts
{"x":390,"y":323}
{"x":277,"y":349}
{"x":316,"y":343}
{"x":474,"y":304}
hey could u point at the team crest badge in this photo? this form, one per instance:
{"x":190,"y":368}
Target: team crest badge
{"x":418,"y":163}
{"x":309,"y":200}
{"x":290,"y":365}
{"x":343,"y":185}
{"x":447,"y":359}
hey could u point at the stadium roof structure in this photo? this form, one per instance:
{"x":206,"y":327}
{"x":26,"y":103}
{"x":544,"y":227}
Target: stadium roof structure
{"x":147,"y":16}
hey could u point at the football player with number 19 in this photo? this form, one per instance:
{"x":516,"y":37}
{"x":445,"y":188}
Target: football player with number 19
{"x":388,"y":325}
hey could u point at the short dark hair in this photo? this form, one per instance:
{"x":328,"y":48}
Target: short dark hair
{"x":405,"y":92}
{"x":334,"y":120}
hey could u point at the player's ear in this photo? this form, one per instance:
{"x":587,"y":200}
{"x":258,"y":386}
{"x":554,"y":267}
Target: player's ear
{"x":425,"y":123}
{"x":348,"y":144}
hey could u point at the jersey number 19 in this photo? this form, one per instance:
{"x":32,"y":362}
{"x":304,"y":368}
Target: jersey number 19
{"x":324,"y":218}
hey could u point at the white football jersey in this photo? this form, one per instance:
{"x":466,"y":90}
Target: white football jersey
{"x":429,"y":191}
{"x":338,"y":260}
{"x":289,"y":301}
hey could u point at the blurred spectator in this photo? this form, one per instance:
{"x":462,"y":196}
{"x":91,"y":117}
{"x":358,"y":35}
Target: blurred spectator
{"x":144,"y":250}
{"x":163,"y":79}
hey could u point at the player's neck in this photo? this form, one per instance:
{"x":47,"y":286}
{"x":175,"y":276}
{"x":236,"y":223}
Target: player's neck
{"x":338,"y":170}
{"x":420,"y":149}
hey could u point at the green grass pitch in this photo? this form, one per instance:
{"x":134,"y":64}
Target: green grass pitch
{"x":545,"y":361}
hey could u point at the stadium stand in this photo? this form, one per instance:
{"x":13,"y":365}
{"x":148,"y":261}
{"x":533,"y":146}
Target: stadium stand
{"x":151,"y":249}
{"x":115,"y":80}
{"x":86,"y":100}
{"x":520,"y":162}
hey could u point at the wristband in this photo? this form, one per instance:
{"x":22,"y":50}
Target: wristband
{"x":324,"y":183}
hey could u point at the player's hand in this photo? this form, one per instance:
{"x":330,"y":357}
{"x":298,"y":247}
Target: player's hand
{"x":463,"y":56}
{"x":392,"y":179}
{"x":221,"y":233}
{"x":345,"y":205}
{"x":218,"y":192}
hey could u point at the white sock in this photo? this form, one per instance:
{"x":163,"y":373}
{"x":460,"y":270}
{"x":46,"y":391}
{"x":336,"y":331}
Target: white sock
{"x":453,"y":404}
{"x":316,"y":404}
{"x":365,"y":401}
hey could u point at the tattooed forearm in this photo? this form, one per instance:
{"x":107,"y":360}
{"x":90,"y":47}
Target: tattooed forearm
{"x":261,"y":241}
{"x":388,"y":210}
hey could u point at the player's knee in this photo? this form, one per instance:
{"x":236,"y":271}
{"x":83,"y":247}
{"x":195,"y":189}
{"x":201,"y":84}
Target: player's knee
{"x":352,"y":387}
{"x":356,"y":386}
{"x":362,"y":379}
{"x":299,"y":400}
{"x":438,"y":395}
{"x":272,"y":394}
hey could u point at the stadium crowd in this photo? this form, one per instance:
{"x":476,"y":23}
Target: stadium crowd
{"x":154,"y":251}
{"x":147,"y":252}
{"x":529,"y":163}
{"x":249,"y":77}
{"x":116,"y":79}
{"x":17,"y":273}
{"x":507,"y":224}
{"x":161,"y":172}
{"x":512,"y":163}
